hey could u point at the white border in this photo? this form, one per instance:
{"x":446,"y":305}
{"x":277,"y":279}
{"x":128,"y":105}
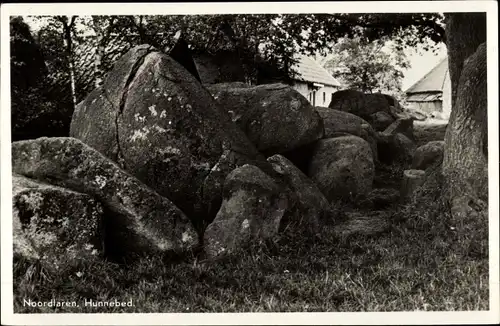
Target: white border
{"x":369,"y":318}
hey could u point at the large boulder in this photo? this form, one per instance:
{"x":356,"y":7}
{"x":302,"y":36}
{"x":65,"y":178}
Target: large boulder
{"x":308,"y":208}
{"x":361,"y":104}
{"x":338,"y":123}
{"x":427,"y":155}
{"x":251,"y":212}
{"x":142,"y":220}
{"x":161,"y":125}
{"x":342,"y":167}
{"x":403,"y":126}
{"x":396,"y":148}
{"x":275,"y":117}
{"x":55,"y":226}
{"x":381,"y":120}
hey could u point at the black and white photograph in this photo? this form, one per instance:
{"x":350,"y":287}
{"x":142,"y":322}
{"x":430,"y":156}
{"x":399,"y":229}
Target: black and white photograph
{"x":218,"y":159}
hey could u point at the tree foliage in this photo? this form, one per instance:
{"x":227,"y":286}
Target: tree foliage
{"x":375,"y":66}
{"x":33,"y":112}
{"x":267,"y":44}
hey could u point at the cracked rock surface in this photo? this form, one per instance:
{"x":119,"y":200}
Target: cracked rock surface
{"x":161,"y":125}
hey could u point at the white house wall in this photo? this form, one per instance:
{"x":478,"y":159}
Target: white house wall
{"x":316,"y":96}
{"x":447,"y":96}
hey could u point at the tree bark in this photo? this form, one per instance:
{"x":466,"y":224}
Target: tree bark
{"x":464,"y":33}
{"x":465,"y":163}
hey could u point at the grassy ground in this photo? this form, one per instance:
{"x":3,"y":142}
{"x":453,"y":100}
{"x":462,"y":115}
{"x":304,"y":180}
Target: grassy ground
{"x":421,"y":259}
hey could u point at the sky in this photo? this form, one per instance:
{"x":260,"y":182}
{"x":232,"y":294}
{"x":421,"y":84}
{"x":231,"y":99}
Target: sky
{"x":421,"y":63}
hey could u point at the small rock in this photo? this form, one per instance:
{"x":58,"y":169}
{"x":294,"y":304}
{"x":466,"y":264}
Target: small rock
{"x":342,"y":167}
{"x":428,"y":154}
{"x":412,"y":180}
{"x":401,"y":126}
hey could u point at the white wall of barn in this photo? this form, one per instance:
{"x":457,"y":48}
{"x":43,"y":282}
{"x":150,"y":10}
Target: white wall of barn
{"x":317,"y":96}
{"x":446,"y":106}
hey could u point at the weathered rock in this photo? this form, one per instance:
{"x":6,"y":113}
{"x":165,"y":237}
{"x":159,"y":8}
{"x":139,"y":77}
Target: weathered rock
{"x":309,"y":207}
{"x":412,"y":180}
{"x":358,"y":103}
{"x":342,"y":167}
{"x":428,"y":154}
{"x":395,"y":148}
{"x":55,"y":226}
{"x":338,"y":123}
{"x":221,"y":67}
{"x":161,"y":125}
{"x":251,"y":211}
{"x":275,"y":117}
{"x":381,"y":120}
{"x":403,"y":126}
{"x":143,"y":221}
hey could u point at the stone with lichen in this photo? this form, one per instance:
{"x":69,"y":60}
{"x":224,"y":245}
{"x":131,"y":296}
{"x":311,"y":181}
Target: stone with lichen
{"x":138,"y":221}
{"x":251,"y":212}
{"x":156,"y":120}
{"x":275,"y":117}
{"x":56,"y":226}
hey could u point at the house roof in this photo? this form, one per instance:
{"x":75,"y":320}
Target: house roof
{"x":309,"y":70}
{"x":433,"y":81}
{"x":425,"y":97}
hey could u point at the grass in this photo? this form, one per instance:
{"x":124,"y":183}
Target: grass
{"x":422,"y":260}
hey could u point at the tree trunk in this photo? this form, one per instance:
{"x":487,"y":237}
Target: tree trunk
{"x":99,"y":52}
{"x":68,"y":41}
{"x":464,"y":33}
{"x":465,"y":163}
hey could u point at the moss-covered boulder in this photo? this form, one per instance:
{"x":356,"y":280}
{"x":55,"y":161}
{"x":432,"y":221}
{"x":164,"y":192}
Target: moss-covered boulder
{"x":342,"y":167}
{"x":251,"y":212}
{"x":361,"y":104}
{"x":427,"y":155}
{"x":275,"y":117}
{"x":308,"y":209}
{"x":142,"y":221}
{"x":339,"y":123}
{"x":56,"y":226}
